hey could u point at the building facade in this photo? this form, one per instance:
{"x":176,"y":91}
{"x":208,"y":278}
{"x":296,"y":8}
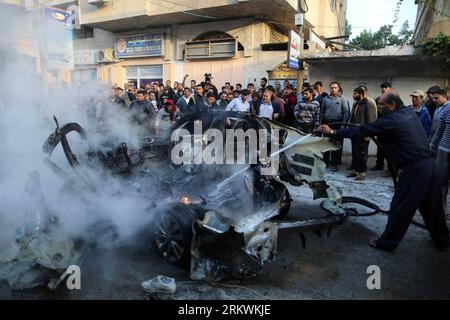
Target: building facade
{"x":239,"y":41}
{"x":139,"y":41}
{"x":433,"y":17}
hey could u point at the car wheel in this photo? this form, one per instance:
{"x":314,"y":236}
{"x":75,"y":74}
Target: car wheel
{"x":172,"y":232}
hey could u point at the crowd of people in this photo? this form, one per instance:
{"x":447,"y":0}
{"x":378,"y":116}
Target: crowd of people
{"x":414,"y":137}
{"x":306,"y":110}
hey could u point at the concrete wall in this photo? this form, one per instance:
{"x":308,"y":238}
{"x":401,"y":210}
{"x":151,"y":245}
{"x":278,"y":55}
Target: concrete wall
{"x":432,"y":18}
{"x":249,"y":65}
{"x":326,"y":22}
{"x":102,"y":40}
{"x":124,"y":9}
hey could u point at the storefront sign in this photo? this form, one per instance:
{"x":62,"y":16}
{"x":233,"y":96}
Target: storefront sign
{"x":295,"y":44}
{"x":139,"y":46}
{"x":59,"y":39}
{"x":85,"y":57}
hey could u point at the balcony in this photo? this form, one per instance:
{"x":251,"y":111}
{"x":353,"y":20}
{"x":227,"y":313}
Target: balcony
{"x":127,"y":15}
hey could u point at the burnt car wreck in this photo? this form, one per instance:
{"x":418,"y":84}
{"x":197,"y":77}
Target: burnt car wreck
{"x":224,"y":229}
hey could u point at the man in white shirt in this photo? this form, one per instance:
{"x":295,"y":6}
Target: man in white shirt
{"x":152,"y":98}
{"x":240,"y":103}
{"x":265,"y":109}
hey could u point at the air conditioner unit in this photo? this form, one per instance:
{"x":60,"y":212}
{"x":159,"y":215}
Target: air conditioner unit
{"x":99,"y":3}
{"x":106,"y":55}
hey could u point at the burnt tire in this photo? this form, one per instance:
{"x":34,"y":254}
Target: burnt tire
{"x":172,"y":231}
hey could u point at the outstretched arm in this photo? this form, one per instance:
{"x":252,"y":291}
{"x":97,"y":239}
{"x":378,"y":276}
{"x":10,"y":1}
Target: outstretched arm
{"x":377,"y":128}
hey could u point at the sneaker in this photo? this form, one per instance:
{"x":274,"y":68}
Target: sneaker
{"x":360,"y":177}
{"x":334,"y":168}
{"x":352,"y":175}
{"x":160,"y":284}
{"x":377,"y":168}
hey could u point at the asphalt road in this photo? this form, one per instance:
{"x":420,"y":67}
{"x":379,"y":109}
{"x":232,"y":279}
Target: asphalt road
{"x":332,"y":267}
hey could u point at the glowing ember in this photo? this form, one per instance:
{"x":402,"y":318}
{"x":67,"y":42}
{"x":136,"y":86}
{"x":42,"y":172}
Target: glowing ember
{"x":185,"y":200}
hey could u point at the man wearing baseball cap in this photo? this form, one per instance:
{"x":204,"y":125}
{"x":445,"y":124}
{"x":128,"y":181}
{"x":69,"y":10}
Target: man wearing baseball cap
{"x":420,"y":109}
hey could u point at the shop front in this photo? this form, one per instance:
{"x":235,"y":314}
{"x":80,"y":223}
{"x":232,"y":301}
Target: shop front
{"x":282,"y":73}
{"x":141,"y":57}
{"x":139,"y":76}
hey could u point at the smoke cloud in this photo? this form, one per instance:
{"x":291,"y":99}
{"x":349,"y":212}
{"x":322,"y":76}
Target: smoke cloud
{"x":27,"y":106}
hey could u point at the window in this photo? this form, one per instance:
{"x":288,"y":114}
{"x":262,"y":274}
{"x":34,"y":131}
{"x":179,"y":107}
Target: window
{"x":85,"y":75}
{"x":211,"y":49}
{"x":139,"y":76}
{"x":212,"y":44}
{"x":83,"y":33}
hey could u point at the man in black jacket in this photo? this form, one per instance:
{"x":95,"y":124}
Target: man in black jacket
{"x":405,"y":145}
{"x":143,"y":109}
{"x":186,"y":102}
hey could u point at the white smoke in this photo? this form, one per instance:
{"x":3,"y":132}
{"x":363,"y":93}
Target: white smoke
{"x":27,"y":105}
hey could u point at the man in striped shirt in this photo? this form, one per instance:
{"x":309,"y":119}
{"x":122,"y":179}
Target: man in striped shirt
{"x":440,"y":142}
{"x":307,"y":112}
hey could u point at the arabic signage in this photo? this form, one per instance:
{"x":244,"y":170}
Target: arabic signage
{"x":295,"y":43}
{"x":149,"y":45}
{"x":59,"y":42}
{"x":85,"y":56}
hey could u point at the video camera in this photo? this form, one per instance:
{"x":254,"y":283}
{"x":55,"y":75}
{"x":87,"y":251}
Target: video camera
{"x":208,"y":78}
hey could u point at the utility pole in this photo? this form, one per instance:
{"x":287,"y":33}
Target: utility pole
{"x":299,"y":17}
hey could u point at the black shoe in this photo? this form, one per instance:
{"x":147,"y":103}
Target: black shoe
{"x":377,"y":168}
{"x":350,"y":168}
